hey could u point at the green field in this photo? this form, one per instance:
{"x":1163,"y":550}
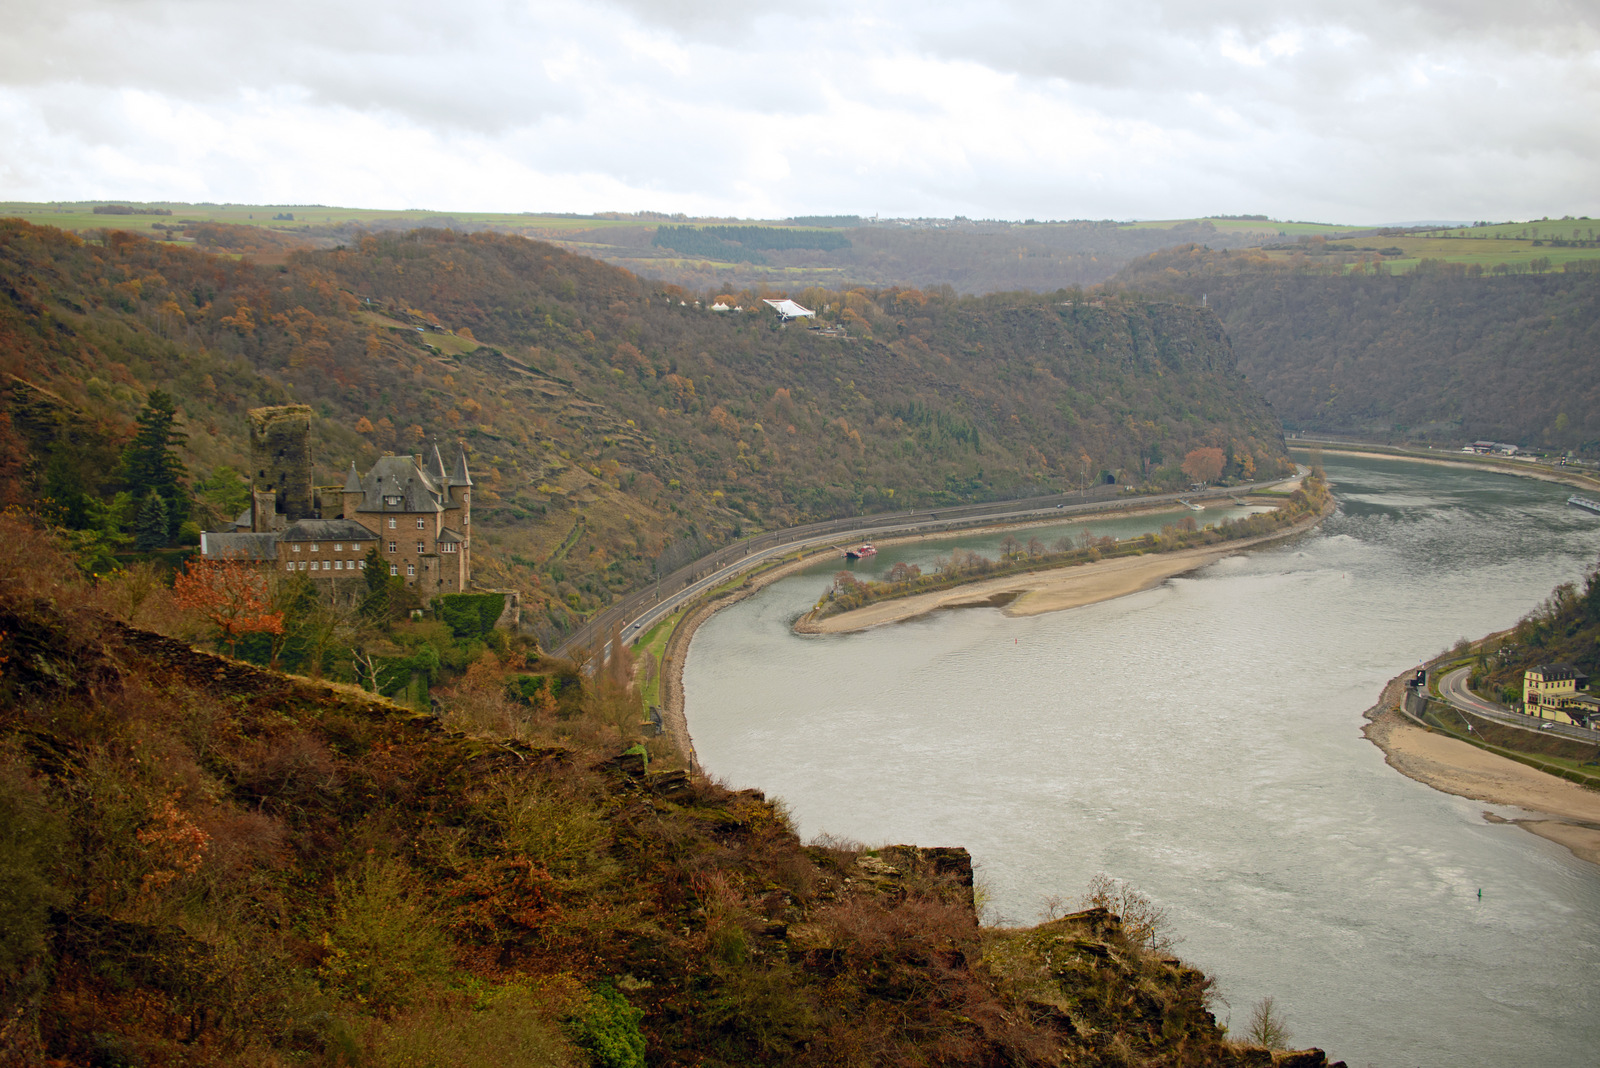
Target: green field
{"x":1582,"y":227}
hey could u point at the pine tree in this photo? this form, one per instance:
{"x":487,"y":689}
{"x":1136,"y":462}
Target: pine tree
{"x":151,"y":531}
{"x":150,"y":463}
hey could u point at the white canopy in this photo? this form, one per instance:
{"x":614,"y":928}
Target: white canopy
{"x":788,"y":309}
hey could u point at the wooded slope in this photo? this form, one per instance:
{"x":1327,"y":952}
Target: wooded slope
{"x":1441,"y":352}
{"x":612,"y":425}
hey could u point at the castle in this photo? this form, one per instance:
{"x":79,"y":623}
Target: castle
{"x":414,"y":511}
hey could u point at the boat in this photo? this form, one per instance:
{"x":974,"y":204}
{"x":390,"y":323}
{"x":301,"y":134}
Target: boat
{"x":1191,"y":505}
{"x":1584,"y":502}
{"x":866,"y":548}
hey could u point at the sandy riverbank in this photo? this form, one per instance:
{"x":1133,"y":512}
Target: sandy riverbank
{"x":1565,"y":812}
{"x":1048,"y":591}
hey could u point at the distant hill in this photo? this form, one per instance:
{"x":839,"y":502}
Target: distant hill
{"x":613,"y":426}
{"x":835,"y":251}
{"x":1444,"y":352}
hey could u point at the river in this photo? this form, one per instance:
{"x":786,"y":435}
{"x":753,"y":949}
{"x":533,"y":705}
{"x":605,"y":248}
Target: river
{"x":1202,"y":741}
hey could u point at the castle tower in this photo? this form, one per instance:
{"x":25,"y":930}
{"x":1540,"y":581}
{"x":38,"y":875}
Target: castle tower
{"x":280,"y":465}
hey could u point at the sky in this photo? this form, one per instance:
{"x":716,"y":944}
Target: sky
{"x":1356,"y":111}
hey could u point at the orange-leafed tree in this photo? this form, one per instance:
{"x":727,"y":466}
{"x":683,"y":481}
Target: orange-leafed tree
{"x":229,"y":594}
{"x":1204,"y":465}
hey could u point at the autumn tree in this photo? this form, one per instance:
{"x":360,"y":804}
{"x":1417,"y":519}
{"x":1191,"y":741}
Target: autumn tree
{"x":230,"y":595}
{"x":1204,"y":465}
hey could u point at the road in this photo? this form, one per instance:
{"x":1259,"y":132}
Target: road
{"x":1453,"y":688}
{"x":641,"y":610}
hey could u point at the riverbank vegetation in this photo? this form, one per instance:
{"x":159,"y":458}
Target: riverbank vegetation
{"x":1564,"y":628}
{"x":1019,"y":556}
{"x":205,"y":862}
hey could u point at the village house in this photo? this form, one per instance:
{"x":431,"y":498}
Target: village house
{"x":1551,"y":691}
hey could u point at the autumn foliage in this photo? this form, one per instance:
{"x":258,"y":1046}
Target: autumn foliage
{"x":1204,"y":464}
{"x":230,"y":595}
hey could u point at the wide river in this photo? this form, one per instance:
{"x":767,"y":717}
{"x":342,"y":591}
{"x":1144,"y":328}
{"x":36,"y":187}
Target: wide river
{"x":1202,"y":741}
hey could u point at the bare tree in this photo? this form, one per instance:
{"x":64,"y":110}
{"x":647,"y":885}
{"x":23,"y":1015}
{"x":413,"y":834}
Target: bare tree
{"x":1144,"y":922}
{"x":1268,"y":1027}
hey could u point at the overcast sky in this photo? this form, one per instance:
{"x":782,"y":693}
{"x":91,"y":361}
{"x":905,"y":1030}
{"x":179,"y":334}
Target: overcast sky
{"x":1349,"y":111}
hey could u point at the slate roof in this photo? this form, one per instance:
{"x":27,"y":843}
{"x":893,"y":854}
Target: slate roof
{"x":252,"y":548}
{"x":446,"y":534}
{"x":419,"y":488}
{"x":1552,"y":672}
{"x":327,"y":530}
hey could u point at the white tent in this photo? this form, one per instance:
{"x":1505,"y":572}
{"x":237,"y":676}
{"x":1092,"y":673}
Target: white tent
{"x":788,"y":309}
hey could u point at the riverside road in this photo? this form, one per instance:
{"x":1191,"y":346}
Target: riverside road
{"x":1453,"y":688}
{"x":639,"y":611}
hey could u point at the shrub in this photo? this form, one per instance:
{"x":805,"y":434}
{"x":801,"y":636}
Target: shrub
{"x":30,"y":837}
{"x":383,"y":945}
{"x":608,"y":1027}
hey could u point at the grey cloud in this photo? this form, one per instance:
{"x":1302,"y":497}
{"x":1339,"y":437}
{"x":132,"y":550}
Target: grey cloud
{"x":682,"y":105}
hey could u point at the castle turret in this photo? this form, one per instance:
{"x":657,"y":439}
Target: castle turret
{"x":352,"y":493}
{"x":280,"y":462}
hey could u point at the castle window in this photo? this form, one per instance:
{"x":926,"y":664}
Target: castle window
{"x":325,"y":564}
{"x":289,"y":566}
{"x":302,"y":565}
{"x":391,"y":546}
{"x":394,"y":569}
{"x":411,"y":569}
{"x":337,"y":547}
{"x":362,"y":564}
{"x":421,"y":548}
{"x":419,"y":523}
{"x":391,"y":522}
{"x":392,"y":502}
{"x":314,"y":547}
{"x":338,"y":565}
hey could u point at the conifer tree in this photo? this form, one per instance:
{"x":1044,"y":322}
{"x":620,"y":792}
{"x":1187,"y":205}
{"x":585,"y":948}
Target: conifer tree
{"x":152,"y":530}
{"x":150,"y":463}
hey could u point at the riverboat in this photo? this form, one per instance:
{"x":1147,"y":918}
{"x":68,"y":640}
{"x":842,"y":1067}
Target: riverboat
{"x":1584,"y":503}
{"x":866,"y":548}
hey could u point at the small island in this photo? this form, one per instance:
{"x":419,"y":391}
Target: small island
{"x":1031,"y":578}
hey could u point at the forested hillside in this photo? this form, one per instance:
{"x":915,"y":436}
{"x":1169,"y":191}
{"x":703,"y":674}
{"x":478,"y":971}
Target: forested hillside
{"x":612,"y":423}
{"x":1445,"y":352}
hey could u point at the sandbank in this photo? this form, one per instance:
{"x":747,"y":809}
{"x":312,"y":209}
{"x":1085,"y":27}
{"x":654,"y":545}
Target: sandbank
{"x":1454,"y":767}
{"x":1054,"y":590}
